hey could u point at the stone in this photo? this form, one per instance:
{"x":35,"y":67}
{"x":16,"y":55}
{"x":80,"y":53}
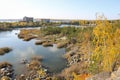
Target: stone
{"x":100,"y":76}
{"x":5,"y":78}
{"x":115,"y":75}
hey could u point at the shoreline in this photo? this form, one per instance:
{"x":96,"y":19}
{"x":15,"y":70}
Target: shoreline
{"x":75,"y":55}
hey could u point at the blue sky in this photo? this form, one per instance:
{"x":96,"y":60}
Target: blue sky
{"x":59,"y":9}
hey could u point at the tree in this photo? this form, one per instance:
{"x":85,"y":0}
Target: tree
{"x":106,"y":43}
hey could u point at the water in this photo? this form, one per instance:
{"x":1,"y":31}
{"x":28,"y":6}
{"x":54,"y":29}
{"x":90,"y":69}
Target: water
{"x":68,"y":25}
{"x":52,"y":56}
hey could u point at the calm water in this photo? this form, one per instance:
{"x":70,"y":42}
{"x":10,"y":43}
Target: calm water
{"x":52,"y":56}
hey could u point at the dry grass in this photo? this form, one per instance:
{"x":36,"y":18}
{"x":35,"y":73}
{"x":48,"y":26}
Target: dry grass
{"x":39,"y":42}
{"x":4,"y":50}
{"x":61,"y":44}
{"x":5,"y":78}
{"x":34,"y":64}
{"x":4,"y":64}
{"x":78,"y":68}
{"x":47,"y":44}
{"x":29,"y":37}
{"x":38,"y":58}
{"x":29,"y":31}
{"x":28,"y":34}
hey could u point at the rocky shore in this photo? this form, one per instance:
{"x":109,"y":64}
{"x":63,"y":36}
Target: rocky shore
{"x":115,"y":75}
{"x":35,"y":70}
{"x":6,"y":71}
{"x":77,"y":56}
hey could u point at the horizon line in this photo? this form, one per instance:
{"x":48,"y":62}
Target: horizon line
{"x":55,"y":19}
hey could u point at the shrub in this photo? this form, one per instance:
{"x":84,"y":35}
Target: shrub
{"x":106,"y":50}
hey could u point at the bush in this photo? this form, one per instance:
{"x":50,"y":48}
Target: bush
{"x":106,"y":50}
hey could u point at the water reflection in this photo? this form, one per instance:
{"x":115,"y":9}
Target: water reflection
{"x":52,"y":56}
{"x":29,"y":52}
{"x":53,"y":49}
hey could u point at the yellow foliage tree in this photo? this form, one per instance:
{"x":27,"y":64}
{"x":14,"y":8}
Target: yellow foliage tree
{"x":106,"y":45}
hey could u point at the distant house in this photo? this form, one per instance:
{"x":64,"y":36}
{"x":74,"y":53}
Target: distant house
{"x":28,"y":19}
{"x":45,"y":20}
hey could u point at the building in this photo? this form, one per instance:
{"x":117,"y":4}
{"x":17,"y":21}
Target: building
{"x":28,"y":19}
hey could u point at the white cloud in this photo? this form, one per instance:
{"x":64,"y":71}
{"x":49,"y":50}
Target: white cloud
{"x":53,"y":49}
{"x":29,"y":52}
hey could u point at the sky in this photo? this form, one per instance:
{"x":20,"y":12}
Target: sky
{"x":59,"y":9}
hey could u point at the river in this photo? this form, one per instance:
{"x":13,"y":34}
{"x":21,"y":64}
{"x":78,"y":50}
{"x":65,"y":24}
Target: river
{"x":52,"y":56}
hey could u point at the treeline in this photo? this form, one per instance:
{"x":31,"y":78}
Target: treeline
{"x":6,"y":25}
{"x":18,"y":24}
{"x":89,"y":22}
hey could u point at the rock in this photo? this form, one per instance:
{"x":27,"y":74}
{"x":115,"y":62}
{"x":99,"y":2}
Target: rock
{"x":3,"y":69}
{"x":4,"y":65}
{"x":61,"y":45}
{"x":6,"y":71}
{"x":72,"y":56}
{"x":5,"y":78}
{"x":115,"y":75}
{"x":45,"y":70}
{"x":22,"y":75}
{"x":63,"y":38}
{"x":100,"y":76}
{"x":24,"y":61}
{"x":16,"y":33}
{"x":69,"y":46}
